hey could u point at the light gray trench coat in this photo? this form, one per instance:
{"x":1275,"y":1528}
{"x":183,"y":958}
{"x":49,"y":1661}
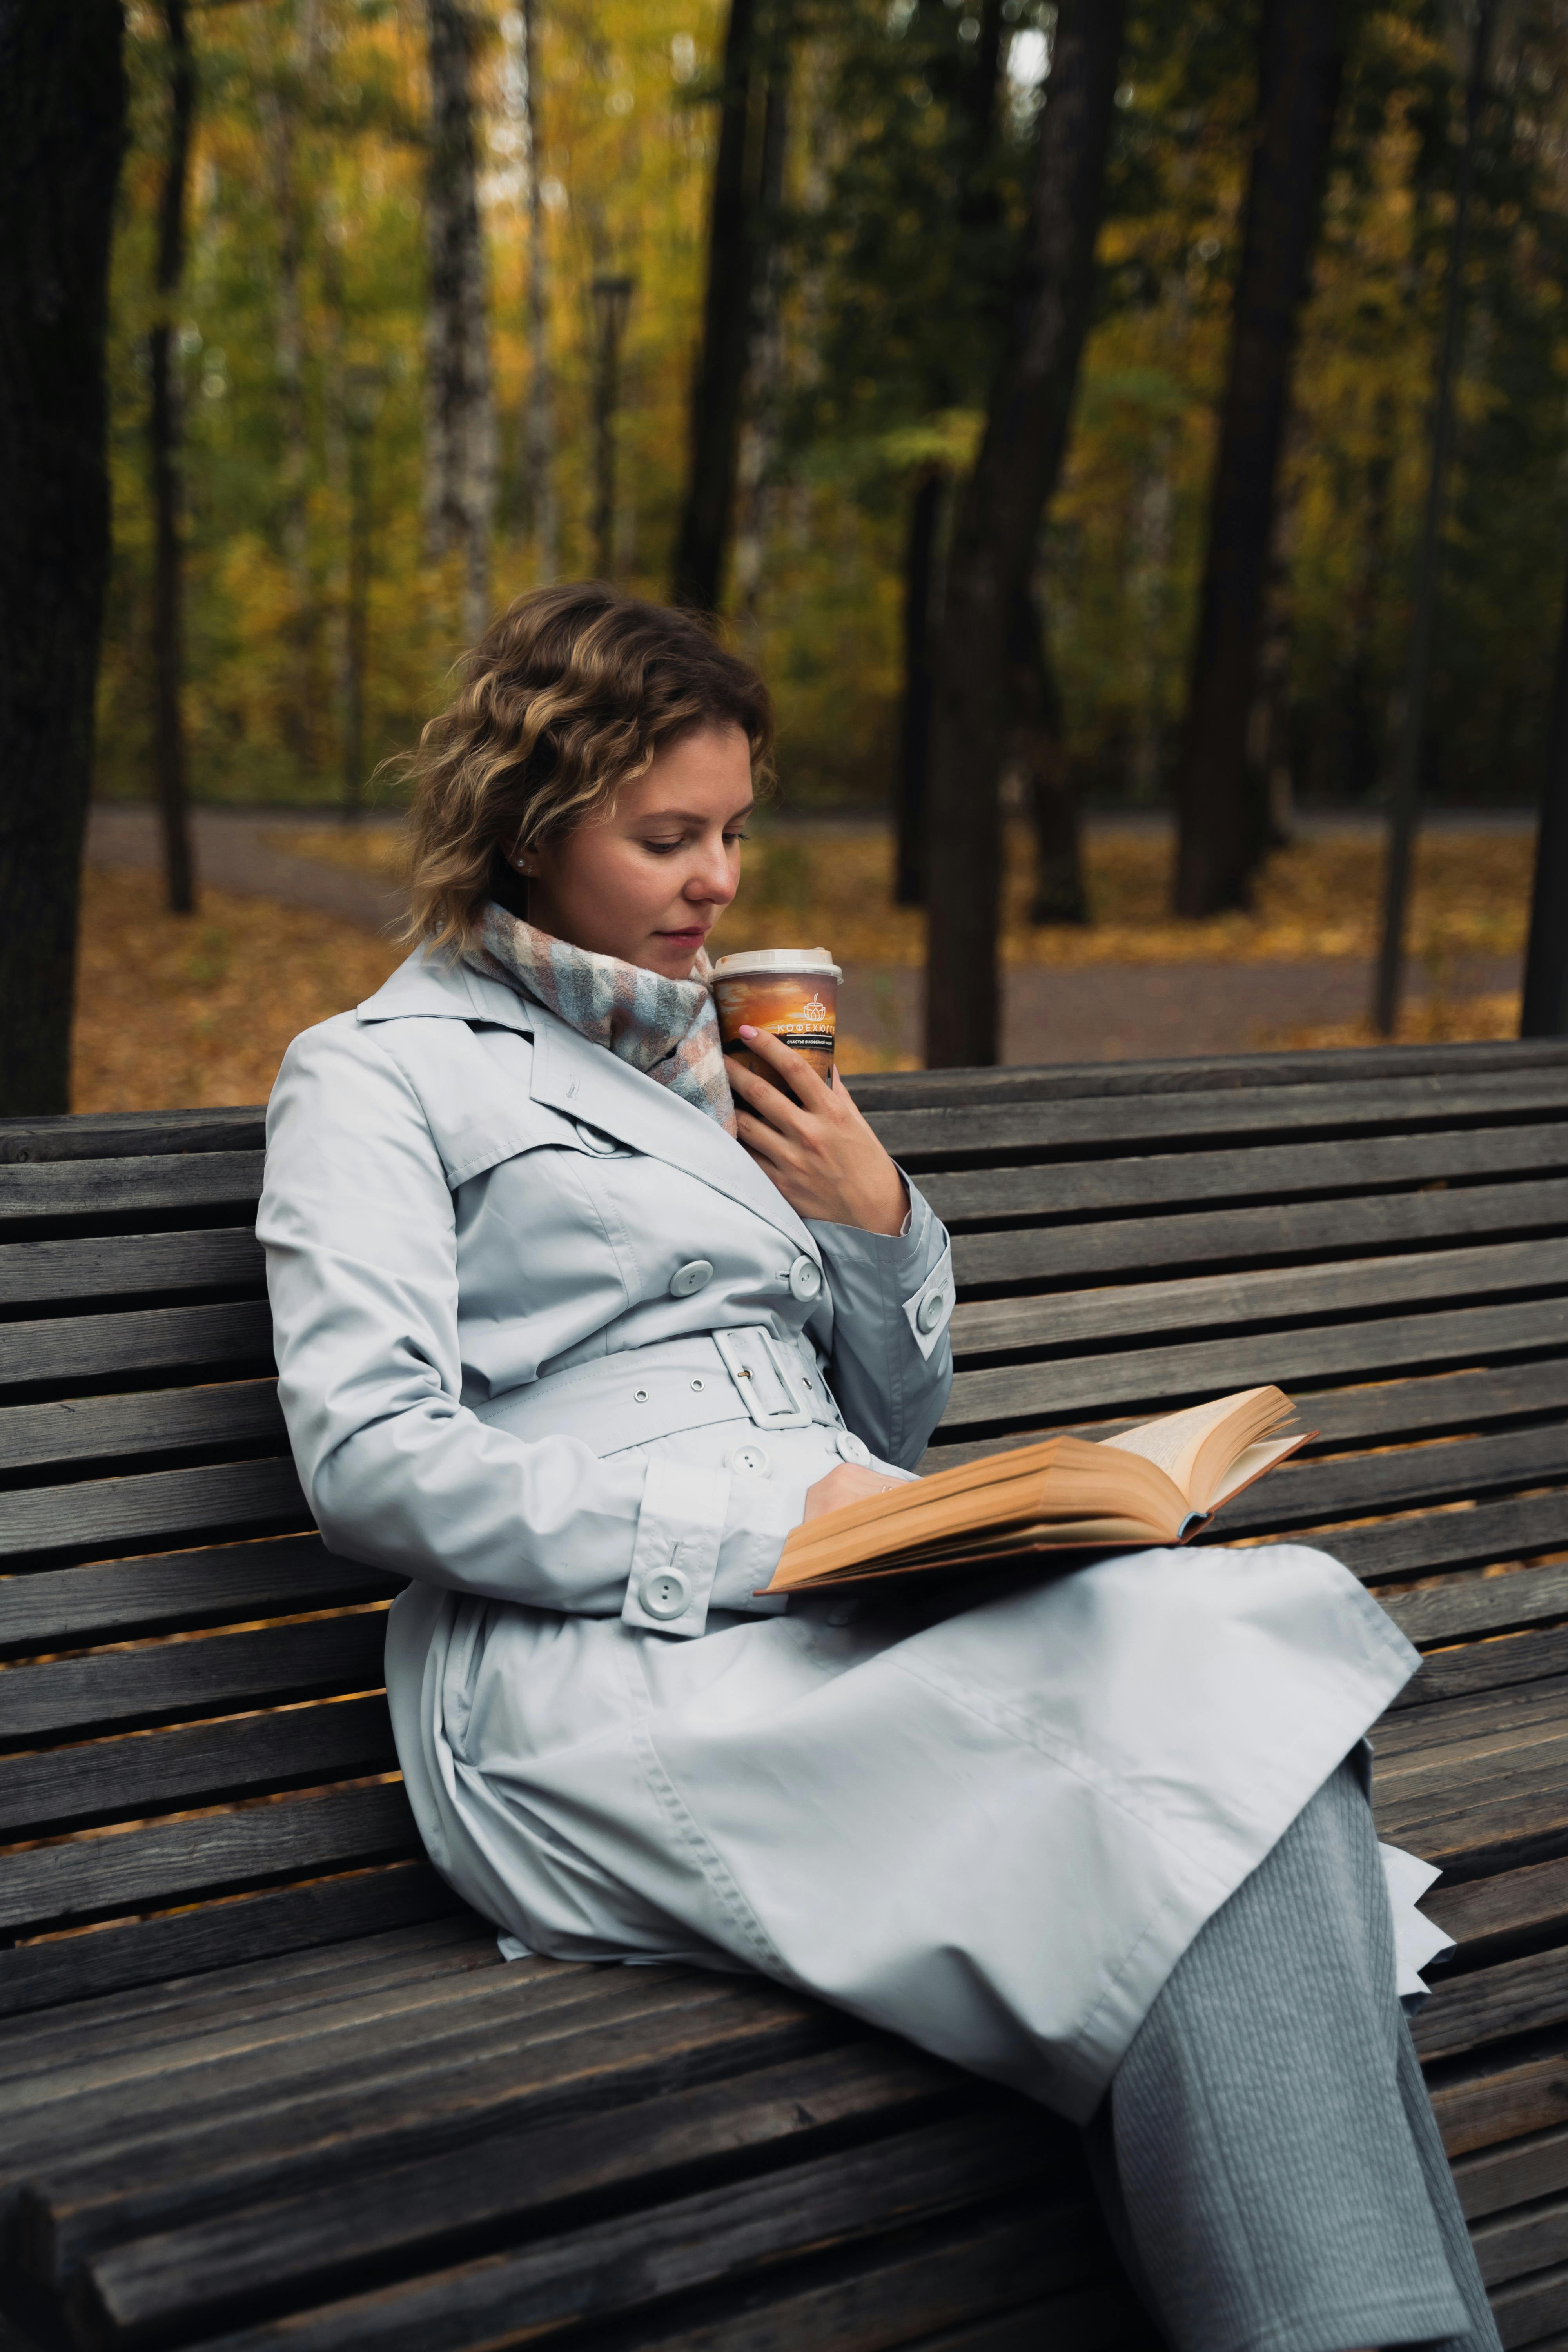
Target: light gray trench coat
{"x":553,"y":1345}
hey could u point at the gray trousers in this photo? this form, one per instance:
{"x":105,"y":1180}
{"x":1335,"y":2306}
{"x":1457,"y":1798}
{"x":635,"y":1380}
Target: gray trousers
{"x":1266,"y":2156}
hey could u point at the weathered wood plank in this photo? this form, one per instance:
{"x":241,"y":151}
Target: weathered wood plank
{"x":60,"y":1608}
{"x":1314,"y":1493}
{"x":1506,"y":1809}
{"x":951,"y":1135}
{"x":1354,"y":1164}
{"x":145,"y":1339}
{"x":1188,"y":1372}
{"x":1480,"y":1603}
{"x":1485,"y":2110}
{"x":165,"y":1678}
{"x":136,"y":1868}
{"x":54,"y":1788}
{"x":1506,"y":1662}
{"x":1213,"y":1302}
{"x":629,"y":2041}
{"x":1487,"y":1914}
{"x":1526,"y":2308}
{"x":1466,"y":1725}
{"x":150,"y":1503}
{"x":216,"y":1257}
{"x":412,"y":2212}
{"x":1489,"y":2005}
{"x":130,"y":1187}
{"x":725,"y":2234}
{"x":121,"y":1134}
{"x":157,"y":1421}
{"x":256,"y":1931}
{"x":1290,"y":1230}
{"x":1499,"y":2176}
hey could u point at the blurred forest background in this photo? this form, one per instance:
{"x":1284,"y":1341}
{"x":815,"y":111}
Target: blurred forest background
{"x":322,"y":623}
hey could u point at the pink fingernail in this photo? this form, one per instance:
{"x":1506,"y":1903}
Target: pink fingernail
{"x":746,"y":1032}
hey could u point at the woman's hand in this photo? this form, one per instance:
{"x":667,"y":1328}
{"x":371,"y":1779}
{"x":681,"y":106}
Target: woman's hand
{"x":848,"y":1482}
{"x":815,"y":1144}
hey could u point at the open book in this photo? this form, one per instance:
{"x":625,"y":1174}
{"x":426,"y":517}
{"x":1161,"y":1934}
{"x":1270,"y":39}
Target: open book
{"x":1151,"y":1485}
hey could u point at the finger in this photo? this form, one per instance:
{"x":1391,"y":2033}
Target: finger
{"x":761,"y":1140}
{"x":795,"y":1068}
{"x":770,"y":1102}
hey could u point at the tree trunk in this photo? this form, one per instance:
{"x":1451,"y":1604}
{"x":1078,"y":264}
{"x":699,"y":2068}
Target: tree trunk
{"x":913,"y":778}
{"x":998,"y":528}
{"x":736,"y":243}
{"x":459,"y":416}
{"x":1039,"y":747}
{"x":1545,"y":1008}
{"x":62,"y":126}
{"x":756,"y":445}
{"x":539,"y":424}
{"x":284,"y":102}
{"x":1302,"y":51}
{"x":164,"y":433}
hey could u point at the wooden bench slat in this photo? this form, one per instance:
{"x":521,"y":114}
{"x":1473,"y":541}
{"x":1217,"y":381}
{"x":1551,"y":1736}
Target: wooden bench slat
{"x":115,"y":1134}
{"x":215,"y":1257}
{"x":1421,"y":1734}
{"x":1484,"y":1912}
{"x":271,"y":1662}
{"x":1135,"y":1310}
{"x":1496,"y":2177}
{"x":1358,"y":1165}
{"x":1310,"y":1494}
{"x":1509,"y":1809}
{"x":60,"y":1607}
{"x":144,"y":1339}
{"x":155,"y":1863}
{"x":954,"y":1135}
{"x":1190,"y":1371}
{"x":251,"y":1928}
{"x":1497,"y":1662}
{"x":150,"y":1504}
{"x":1512,"y":1998}
{"x":158,"y":1421}
{"x":412,"y":2211}
{"x":1526,"y":2309}
{"x":1514,"y":2244}
{"x":1500,"y":1604}
{"x":103,"y":2100}
{"x":54,"y":1787}
{"x":171,"y":2014}
{"x":1482,"y":2109}
{"x":1292,"y":1230}
{"x":129,"y":1187}
{"x":723,"y":2233}
{"x":631,"y":2039}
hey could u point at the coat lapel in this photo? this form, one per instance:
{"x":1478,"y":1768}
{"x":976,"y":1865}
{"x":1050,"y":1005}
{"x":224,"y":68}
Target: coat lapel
{"x":587,"y":1082}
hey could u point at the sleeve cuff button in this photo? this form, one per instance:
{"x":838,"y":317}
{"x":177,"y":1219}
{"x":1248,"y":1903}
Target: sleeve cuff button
{"x":664,"y":1592}
{"x":931,"y":1310}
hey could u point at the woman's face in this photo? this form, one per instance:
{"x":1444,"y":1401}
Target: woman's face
{"x":647,"y":881}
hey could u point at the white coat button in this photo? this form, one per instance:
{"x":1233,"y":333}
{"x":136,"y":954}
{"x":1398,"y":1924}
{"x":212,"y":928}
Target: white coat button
{"x":687,"y":1280}
{"x":931,"y":1310}
{"x":593,"y":1139}
{"x":664,"y":1592}
{"x":755,"y":1460}
{"x":850,"y":1447}
{"x":806,"y":1277}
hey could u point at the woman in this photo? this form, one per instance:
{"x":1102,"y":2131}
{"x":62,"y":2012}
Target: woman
{"x":576,"y":1320}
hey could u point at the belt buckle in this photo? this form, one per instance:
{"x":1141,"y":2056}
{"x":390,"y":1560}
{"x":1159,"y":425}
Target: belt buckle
{"x":788,"y":1416}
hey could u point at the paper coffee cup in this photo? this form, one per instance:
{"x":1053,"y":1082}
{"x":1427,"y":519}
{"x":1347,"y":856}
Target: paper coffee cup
{"x":792,"y":993}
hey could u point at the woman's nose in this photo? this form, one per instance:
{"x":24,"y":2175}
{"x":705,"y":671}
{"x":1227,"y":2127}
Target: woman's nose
{"x":712,"y":880}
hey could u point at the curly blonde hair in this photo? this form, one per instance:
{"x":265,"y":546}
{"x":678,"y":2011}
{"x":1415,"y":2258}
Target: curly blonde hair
{"x":569,"y":694}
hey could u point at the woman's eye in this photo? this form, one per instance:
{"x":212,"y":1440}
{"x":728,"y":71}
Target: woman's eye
{"x":662,"y":848}
{"x":733,"y":840}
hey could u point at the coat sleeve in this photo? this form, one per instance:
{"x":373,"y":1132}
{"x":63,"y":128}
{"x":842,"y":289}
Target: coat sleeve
{"x":358,"y":1224}
{"x":891,"y":1365}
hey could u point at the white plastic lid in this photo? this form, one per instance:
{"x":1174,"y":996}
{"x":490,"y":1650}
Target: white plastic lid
{"x":757,"y":961}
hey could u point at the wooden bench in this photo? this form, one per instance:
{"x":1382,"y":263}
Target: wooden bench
{"x":264,"y":2084}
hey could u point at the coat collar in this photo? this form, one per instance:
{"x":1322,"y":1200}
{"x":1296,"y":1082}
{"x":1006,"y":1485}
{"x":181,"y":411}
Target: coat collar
{"x":586,"y":1082}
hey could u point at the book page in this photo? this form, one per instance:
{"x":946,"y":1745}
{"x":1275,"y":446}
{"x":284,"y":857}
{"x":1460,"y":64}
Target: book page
{"x":1171,"y":1442}
{"x":1252,"y":1462}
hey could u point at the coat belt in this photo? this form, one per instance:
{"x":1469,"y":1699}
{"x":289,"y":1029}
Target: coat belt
{"x":641,"y":1393}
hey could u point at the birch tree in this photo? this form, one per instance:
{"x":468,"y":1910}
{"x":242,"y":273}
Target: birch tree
{"x":459,"y":413}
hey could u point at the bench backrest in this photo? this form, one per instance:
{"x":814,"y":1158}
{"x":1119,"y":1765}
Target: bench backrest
{"x":196,"y":1760}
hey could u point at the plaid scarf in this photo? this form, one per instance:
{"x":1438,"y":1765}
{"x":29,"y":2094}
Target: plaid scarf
{"x":666,"y":1028}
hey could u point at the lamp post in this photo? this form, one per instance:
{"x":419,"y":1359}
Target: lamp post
{"x":612,"y":301}
{"x":364,"y":388}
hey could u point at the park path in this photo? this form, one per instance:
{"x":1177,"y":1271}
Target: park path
{"x":1098,"y":1013}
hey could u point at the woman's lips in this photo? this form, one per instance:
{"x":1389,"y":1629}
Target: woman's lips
{"x":694,"y":934}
